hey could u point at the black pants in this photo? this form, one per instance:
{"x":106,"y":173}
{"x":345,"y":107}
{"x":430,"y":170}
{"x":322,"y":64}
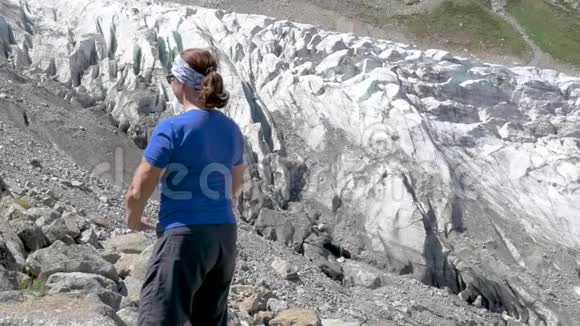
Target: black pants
{"x":189,"y":277}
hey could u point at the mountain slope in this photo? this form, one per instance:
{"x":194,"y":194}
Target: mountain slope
{"x":493,"y":30}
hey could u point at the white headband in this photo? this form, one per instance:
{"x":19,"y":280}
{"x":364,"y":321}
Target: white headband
{"x":183,"y":72}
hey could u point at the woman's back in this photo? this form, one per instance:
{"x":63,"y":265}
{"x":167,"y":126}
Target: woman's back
{"x":197,"y":158}
{"x":198,"y":149}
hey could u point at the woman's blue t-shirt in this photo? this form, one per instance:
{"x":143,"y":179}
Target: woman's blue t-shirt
{"x":197,"y":149}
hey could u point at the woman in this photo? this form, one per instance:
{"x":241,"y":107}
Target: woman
{"x":197,"y":156}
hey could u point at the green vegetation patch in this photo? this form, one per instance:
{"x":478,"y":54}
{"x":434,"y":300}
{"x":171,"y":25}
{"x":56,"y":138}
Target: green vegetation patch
{"x":24,"y":203}
{"x":37,"y":285}
{"x":554,"y":30}
{"x":467,"y":24}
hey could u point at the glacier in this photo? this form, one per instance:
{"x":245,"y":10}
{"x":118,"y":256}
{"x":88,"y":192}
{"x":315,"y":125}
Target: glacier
{"x":460,"y":173}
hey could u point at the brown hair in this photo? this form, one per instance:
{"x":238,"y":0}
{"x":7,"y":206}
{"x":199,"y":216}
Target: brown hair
{"x":204,"y":62}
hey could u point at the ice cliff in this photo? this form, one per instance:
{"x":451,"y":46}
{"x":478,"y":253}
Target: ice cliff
{"x":463,"y":174}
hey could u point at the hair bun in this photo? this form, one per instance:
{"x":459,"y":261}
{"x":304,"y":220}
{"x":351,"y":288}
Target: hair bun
{"x":209,"y":70}
{"x":212,"y":87}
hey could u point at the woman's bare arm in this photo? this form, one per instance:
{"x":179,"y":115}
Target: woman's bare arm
{"x":144,"y":182}
{"x":237,"y":180}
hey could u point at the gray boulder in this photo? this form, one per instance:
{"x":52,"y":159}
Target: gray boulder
{"x":296,"y":316}
{"x":31,"y":234}
{"x":44,"y":220}
{"x":359,"y":274}
{"x":75,"y":224}
{"x":49,"y":202}
{"x":324,"y":260}
{"x":287,"y":228}
{"x":314,"y":250}
{"x":262,"y":317}
{"x":251,"y":299}
{"x":85,"y":283}
{"x":284,"y":269}
{"x":74,"y":258}
{"x":140,"y":266}
{"x":110,"y":255}
{"x":12,"y":252}
{"x":252,"y":304}
{"x":129,"y":316}
{"x":13,"y":212}
{"x":89,"y":237}
{"x":56,"y":230}
{"x":44,"y":214}
{"x":332,"y":269}
{"x":73,"y":310}
{"x":11,"y":296}
{"x":277,"y":305}
{"x":132,"y":243}
{"x":131,"y":289}
{"x":8,"y":280}
{"x":7,"y":259}
{"x":131,"y":285}
{"x":61,"y":208}
{"x":126,"y":263}
{"x":233,"y":319}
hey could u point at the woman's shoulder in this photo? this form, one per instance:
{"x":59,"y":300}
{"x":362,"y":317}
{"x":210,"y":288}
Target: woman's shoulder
{"x":199,"y":120}
{"x":164,"y":125}
{"x":233,"y":125}
{"x":225,"y":119}
{"x":187,"y":120}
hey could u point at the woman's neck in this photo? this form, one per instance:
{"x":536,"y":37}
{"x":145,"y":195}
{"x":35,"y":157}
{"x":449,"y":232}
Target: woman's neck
{"x":191,"y":105}
{"x":187,"y":108}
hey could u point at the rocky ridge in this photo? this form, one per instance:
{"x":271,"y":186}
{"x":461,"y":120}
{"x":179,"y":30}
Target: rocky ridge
{"x":366,"y":156}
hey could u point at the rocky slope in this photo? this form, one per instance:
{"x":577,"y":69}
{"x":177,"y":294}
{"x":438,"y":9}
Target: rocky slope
{"x":381,"y":166}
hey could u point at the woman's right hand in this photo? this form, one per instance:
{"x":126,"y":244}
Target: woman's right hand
{"x":144,"y":225}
